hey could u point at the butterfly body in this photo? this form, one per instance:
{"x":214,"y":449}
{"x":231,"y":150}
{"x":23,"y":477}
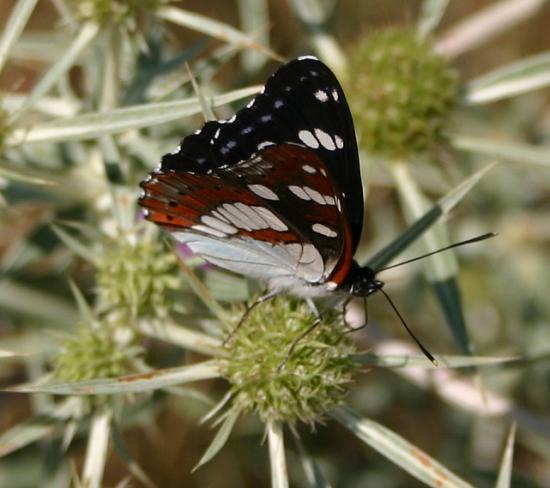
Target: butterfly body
{"x":274,"y":192}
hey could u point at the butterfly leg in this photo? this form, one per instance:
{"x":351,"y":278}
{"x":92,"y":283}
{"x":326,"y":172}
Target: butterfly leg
{"x":245,"y":315}
{"x":312,"y":327}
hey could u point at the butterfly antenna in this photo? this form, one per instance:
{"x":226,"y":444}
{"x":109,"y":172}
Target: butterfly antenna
{"x":482,"y":237}
{"x":427,"y":353}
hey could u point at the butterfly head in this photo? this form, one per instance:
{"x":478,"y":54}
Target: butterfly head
{"x":361,"y":281}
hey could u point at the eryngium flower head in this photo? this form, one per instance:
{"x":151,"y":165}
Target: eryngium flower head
{"x":134,"y":279}
{"x":400,"y":92}
{"x":124,"y":13}
{"x":97,"y":351}
{"x":279,"y":386}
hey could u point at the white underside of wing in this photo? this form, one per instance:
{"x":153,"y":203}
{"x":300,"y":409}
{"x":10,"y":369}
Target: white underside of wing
{"x":296,"y":268}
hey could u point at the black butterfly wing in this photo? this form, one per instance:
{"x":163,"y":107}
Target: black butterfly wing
{"x":301,"y":103}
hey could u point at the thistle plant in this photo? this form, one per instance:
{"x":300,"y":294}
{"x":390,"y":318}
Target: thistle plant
{"x":135,"y":278}
{"x":280,"y":374}
{"x":115,"y":12}
{"x":96,"y":308}
{"x":402,"y":95}
{"x":402,"y":100}
{"x":94,"y":352}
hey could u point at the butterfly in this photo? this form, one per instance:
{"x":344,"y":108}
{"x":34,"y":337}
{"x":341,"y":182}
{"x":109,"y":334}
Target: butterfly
{"x":274,"y":192}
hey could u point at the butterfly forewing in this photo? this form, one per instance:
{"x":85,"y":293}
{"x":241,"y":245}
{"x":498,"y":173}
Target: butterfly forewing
{"x":301,"y":103}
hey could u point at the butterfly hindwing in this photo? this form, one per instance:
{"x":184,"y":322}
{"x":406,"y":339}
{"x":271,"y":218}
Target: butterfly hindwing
{"x":236,"y":217}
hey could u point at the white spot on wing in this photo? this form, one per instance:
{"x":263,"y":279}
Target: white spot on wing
{"x":309,"y":169}
{"x":323,"y":230}
{"x":335,"y":94}
{"x":218,"y":224}
{"x":265,"y":144}
{"x":330,"y":200}
{"x":218,"y":215}
{"x":311,"y":266}
{"x":325,"y":139}
{"x":263,"y":191}
{"x":321,"y":95}
{"x":255,"y":220}
{"x":308,"y":253}
{"x":217,"y":134}
{"x":315,"y":195}
{"x":235,"y":216}
{"x":232,"y":119}
{"x":295,"y":249}
{"x":247,"y":130}
{"x":265,"y":118}
{"x":251,"y":103}
{"x":278,"y":103}
{"x":339,"y":142}
{"x":208,"y":230}
{"x":308,"y":139}
{"x":299,"y":192}
{"x":302,"y":58}
{"x":274,"y":222}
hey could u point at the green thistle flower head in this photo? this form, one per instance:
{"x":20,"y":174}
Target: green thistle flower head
{"x":126,"y":13}
{"x":314,"y":377}
{"x":97,"y":351}
{"x":134,"y":278}
{"x":400,"y":92}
